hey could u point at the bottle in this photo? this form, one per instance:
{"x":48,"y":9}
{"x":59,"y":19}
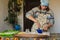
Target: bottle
{"x":27,"y":31}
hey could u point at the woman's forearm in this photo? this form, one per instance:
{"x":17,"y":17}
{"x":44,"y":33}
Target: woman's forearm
{"x":32,"y":19}
{"x":49,"y":25}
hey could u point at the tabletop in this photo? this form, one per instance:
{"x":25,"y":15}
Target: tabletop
{"x":32,"y":35}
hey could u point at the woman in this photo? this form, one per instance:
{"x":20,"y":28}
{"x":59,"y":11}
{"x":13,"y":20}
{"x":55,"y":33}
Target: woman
{"x":42,"y":17}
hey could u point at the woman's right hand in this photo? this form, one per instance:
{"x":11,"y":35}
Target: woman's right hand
{"x":38,"y":24}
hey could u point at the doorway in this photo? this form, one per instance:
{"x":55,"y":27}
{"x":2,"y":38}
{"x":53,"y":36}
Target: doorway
{"x":28,"y":5}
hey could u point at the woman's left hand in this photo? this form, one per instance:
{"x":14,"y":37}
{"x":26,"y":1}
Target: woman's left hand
{"x":45,"y":27}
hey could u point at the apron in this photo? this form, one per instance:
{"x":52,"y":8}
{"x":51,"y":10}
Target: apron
{"x":42,"y":19}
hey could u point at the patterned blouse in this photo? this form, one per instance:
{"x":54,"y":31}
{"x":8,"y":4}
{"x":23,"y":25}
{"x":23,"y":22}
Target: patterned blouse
{"x":42,"y":16}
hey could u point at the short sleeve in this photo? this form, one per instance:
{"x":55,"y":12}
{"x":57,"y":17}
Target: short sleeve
{"x":32,"y":12}
{"x":29,"y":13}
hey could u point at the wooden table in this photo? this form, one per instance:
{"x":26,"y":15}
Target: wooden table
{"x":28,"y":35}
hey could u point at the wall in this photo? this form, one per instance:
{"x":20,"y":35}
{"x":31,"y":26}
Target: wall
{"x":3,"y":14}
{"x":55,"y":6}
{"x":20,"y":17}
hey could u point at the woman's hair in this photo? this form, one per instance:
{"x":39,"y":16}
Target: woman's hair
{"x":47,"y":9}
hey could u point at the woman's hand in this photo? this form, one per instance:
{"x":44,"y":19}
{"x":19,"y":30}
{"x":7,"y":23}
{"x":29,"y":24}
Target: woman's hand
{"x":38,"y":24}
{"x":46,"y":27}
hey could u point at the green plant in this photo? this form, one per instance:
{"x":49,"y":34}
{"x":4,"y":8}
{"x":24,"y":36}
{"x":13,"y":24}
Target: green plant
{"x":13,"y":8}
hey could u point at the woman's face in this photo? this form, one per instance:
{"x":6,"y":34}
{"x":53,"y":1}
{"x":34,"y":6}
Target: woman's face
{"x":43,"y":7}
